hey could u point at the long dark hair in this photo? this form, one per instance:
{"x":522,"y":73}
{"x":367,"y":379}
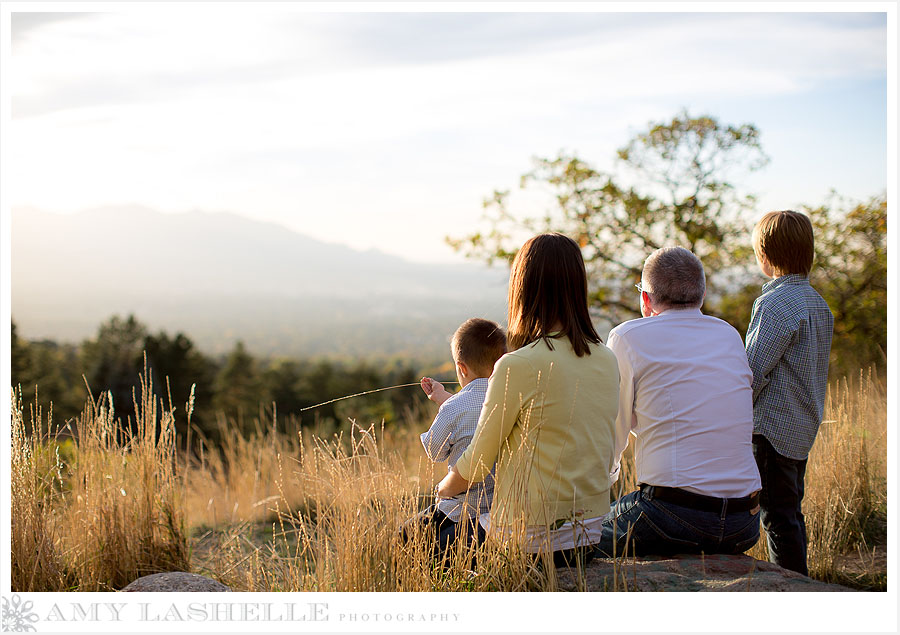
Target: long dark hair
{"x":548,"y":285}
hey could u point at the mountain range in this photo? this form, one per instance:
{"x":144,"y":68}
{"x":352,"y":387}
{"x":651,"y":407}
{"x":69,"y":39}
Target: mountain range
{"x":221,"y":277}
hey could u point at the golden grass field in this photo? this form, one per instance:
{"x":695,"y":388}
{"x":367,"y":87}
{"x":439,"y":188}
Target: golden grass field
{"x":317,"y":509}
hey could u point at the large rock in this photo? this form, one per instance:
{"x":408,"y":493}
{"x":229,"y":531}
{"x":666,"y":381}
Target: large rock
{"x":689,"y":573}
{"x":175,"y":581}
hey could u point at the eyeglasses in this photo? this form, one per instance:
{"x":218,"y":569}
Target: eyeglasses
{"x":639,"y":288}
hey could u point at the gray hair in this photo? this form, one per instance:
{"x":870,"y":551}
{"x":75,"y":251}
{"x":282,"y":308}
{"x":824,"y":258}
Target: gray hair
{"x":674,"y":277}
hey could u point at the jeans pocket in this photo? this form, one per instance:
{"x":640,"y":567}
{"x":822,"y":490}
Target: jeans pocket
{"x":744,"y":538}
{"x":702,"y":526}
{"x":650,"y":537}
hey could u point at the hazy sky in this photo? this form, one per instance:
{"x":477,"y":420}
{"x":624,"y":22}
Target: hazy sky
{"x":387,"y":130}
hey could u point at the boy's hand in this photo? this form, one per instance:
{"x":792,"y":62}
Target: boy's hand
{"x":434,"y":390}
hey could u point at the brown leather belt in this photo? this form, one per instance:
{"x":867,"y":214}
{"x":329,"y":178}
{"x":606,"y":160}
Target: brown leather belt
{"x":700,"y":502}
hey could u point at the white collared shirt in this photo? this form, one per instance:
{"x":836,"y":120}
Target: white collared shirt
{"x":685,"y":393}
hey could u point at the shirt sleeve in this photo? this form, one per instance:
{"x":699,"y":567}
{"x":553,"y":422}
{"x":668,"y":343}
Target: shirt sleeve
{"x":437,"y":440}
{"x":768,"y":337}
{"x":625,"y":416}
{"x":458,"y":444}
{"x":502,"y":406}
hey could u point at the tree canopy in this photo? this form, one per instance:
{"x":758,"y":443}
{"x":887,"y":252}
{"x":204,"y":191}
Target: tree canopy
{"x":676,"y":186}
{"x":850,"y":272}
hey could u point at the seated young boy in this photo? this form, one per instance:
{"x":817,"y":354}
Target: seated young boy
{"x":788,"y":345}
{"x":475,"y":347}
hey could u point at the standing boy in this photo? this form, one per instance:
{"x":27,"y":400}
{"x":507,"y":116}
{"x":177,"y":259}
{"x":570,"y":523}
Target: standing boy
{"x":788,"y":344}
{"x":476,"y":346}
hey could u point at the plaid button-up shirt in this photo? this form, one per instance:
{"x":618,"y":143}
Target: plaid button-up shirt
{"x":449,"y":436}
{"x":788,"y":343}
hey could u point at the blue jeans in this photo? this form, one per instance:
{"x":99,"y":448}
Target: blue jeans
{"x":780,"y":499}
{"x":446,"y":531}
{"x":664,"y":528}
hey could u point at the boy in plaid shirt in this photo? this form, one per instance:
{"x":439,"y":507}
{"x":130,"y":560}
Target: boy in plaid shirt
{"x":476,"y":346}
{"x":788,"y":344}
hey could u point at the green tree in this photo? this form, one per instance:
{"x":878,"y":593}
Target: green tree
{"x":283,"y":381}
{"x":18,"y":356}
{"x":49,"y":375}
{"x":850,"y":272}
{"x":178,"y":366}
{"x":239,"y":388}
{"x":318,"y":384}
{"x":681,"y":193}
{"x":113,"y":361}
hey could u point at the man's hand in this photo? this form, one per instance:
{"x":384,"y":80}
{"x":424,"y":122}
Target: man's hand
{"x":452,"y":484}
{"x":434,"y":390}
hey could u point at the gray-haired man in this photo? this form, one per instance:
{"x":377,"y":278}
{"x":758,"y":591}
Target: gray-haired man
{"x":685,"y":394}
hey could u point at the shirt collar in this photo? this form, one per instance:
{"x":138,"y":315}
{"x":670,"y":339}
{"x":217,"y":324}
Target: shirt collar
{"x":791,"y":278}
{"x":475,"y":383}
{"x":678,"y":311}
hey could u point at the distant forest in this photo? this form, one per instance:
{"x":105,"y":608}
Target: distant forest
{"x":237,"y":389}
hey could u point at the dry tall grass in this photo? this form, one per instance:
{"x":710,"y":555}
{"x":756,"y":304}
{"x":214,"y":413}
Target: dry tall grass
{"x":307,"y":512}
{"x":37,"y":564}
{"x":845,"y":502}
{"x":99,"y":506}
{"x":319,"y":509}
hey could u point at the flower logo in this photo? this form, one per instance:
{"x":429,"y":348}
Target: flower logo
{"x":18,"y":616}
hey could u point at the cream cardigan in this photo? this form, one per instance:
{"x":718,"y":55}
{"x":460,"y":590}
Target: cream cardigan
{"x":549,"y":422}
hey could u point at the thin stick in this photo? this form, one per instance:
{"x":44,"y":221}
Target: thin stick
{"x":368,"y":392}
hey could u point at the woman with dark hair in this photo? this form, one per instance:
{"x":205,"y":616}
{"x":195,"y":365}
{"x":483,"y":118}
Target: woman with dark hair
{"x":549,"y":415}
